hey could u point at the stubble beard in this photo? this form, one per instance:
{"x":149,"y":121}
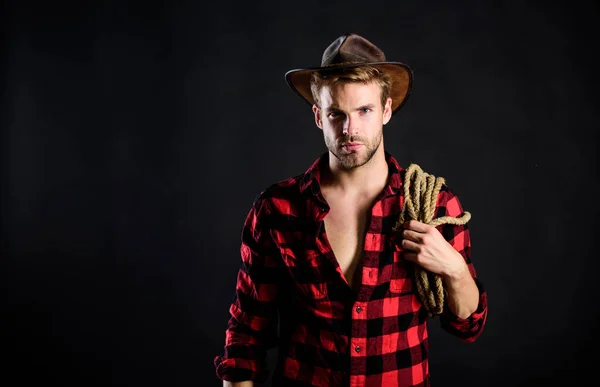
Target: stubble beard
{"x":353,"y":159}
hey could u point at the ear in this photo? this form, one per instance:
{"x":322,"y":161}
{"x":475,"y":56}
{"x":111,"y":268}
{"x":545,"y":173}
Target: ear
{"x":317,"y":111}
{"x":387,"y":111}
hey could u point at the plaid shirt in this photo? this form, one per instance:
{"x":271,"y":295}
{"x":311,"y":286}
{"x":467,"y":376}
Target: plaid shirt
{"x":291,"y":293}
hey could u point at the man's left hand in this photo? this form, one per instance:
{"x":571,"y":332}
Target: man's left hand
{"x":426,"y":246}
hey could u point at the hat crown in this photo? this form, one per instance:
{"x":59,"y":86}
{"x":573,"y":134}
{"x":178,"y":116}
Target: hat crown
{"x":351,"y":51}
{"x":351,"y":48}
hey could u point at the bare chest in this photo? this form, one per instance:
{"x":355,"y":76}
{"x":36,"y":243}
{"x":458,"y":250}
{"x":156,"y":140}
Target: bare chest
{"x":345,"y":228}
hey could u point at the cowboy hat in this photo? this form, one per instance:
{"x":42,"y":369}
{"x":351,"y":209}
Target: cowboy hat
{"x":351,"y":50}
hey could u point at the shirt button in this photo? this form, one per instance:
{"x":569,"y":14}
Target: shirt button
{"x":357,"y":348}
{"x":358,"y":309}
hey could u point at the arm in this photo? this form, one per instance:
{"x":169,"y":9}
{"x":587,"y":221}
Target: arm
{"x":252,"y":327}
{"x":445,"y":250}
{"x":462,"y":292}
{"x":465,"y":312}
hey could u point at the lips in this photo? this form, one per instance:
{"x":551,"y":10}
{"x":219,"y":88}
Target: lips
{"x":351,"y":145}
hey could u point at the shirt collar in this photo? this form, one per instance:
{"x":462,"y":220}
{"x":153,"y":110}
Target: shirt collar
{"x":311,"y":180}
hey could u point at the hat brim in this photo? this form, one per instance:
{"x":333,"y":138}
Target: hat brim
{"x":401,"y":74}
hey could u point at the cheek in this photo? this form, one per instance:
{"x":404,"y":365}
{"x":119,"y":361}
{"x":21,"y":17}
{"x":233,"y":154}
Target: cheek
{"x":334,"y":122}
{"x":377,"y":120}
{"x":334,"y":128}
{"x":328,"y":132}
{"x":373,"y":126}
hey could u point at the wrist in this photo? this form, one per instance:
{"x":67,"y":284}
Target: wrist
{"x":457,"y":272}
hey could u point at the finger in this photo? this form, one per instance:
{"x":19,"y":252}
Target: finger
{"x":412,"y":235}
{"x":415,"y":225}
{"x":410,"y":245}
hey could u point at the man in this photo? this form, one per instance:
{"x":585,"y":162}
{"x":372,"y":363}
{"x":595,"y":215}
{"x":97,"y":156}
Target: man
{"x":324,"y":277}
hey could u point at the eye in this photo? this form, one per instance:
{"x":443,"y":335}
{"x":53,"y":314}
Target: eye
{"x":333,"y":114}
{"x":365,"y":110}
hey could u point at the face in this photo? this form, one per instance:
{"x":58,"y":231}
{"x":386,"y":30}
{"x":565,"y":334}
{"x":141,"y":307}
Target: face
{"x":352,"y":118}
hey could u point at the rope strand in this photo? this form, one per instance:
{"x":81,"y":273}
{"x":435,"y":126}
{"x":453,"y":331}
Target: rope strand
{"x":420,"y":197}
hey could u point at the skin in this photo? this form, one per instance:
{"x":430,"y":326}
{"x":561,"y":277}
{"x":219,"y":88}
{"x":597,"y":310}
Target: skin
{"x":353,"y":113}
{"x":427,"y":247}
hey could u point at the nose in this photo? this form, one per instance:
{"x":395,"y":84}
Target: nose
{"x":349,"y":126}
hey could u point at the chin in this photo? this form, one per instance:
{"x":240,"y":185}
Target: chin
{"x":353,"y":160}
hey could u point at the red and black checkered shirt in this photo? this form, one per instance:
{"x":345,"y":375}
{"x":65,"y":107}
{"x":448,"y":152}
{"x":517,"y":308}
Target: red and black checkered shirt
{"x":291,"y":293}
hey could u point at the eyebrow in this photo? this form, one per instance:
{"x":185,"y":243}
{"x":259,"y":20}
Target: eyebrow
{"x":367,"y":106}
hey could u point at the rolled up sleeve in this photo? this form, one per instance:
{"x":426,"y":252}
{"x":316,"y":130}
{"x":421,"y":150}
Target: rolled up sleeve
{"x":470,"y":328}
{"x":252,"y":326}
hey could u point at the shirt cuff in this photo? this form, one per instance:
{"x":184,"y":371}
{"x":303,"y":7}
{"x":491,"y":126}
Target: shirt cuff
{"x":467,"y":329}
{"x":239,"y":370}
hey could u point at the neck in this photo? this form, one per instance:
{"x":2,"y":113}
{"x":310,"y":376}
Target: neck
{"x":368,"y":178}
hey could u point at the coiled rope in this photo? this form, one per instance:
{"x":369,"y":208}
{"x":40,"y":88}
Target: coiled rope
{"x":420,"y":196}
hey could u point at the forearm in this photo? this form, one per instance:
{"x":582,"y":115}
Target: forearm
{"x":247,"y":340}
{"x":238,"y":384}
{"x":463,"y":294}
{"x":252,"y":326}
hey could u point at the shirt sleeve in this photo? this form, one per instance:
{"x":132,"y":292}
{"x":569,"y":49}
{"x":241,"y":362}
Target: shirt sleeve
{"x":467,"y":329}
{"x":252,"y":326}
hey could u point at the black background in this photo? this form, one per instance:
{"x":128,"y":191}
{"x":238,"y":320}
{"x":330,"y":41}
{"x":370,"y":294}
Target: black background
{"x":135,"y":136}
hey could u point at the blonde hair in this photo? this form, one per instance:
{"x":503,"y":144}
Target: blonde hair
{"x":338,"y":76}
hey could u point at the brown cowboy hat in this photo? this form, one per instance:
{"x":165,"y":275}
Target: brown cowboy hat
{"x":351,"y":50}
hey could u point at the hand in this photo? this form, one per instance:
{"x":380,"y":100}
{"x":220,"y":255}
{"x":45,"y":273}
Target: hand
{"x":426,"y":246}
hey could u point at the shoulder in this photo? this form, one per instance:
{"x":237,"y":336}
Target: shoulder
{"x":287,"y":190}
{"x":448,"y":202}
{"x":414,"y":171}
